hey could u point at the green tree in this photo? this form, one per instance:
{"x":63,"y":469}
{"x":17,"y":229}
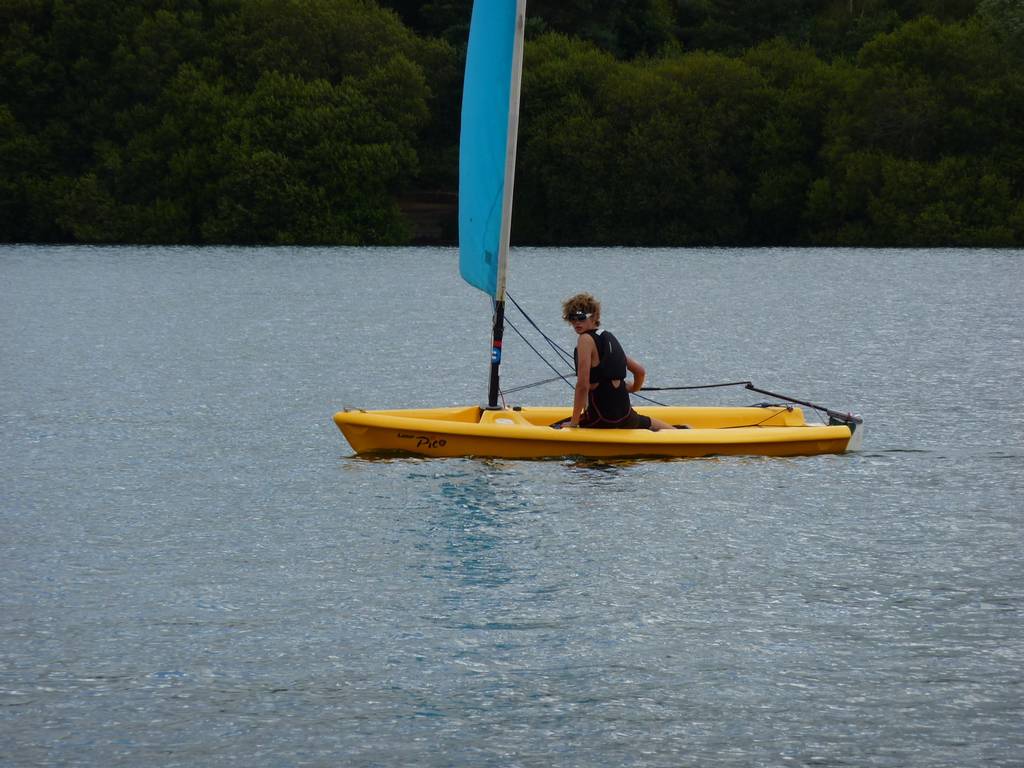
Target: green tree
{"x":445,"y":19}
{"x":1005,"y":20}
{"x":685,"y":165}
{"x":884,"y":201}
{"x":785,"y":156}
{"x":317,"y":39}
{"x":925,"y":145}
{"x":732,"y":26}
{"x":562,"y":193}
{"x":646,"y":153}
{"x":192,"y":120}
{"x":308,"y":162}
{"x":842,"y":27}
{"x":26,"y":165}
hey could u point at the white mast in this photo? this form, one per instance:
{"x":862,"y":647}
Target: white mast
{"x":510,"y":148}
{"x":505,"y":233}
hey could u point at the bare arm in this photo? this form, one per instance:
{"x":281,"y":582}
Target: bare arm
{"x":586,"y":353}
{"x":639,"y":374}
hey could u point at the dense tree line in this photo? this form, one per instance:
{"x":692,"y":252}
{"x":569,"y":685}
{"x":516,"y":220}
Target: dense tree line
{"x":655,"y":122}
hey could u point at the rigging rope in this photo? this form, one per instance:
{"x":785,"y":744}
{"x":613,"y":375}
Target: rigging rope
{"x":770,"y":416}
{"x":697,"y":386}
{"x":537,"y":352}
{"x":567,"y":358}
{"x":521,"y":387}
{"x":644,"y":397}
{"x":564,"y":356}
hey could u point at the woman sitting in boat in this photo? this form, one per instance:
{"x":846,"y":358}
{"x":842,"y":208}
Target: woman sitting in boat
{"x":602,"y":393}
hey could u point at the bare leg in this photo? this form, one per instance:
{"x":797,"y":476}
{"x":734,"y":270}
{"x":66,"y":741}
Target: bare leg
{"x":657,"y":425}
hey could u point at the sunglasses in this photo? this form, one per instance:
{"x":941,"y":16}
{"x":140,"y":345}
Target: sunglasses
{"x":574,"y":317}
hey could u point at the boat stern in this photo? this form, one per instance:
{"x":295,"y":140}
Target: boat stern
{"x":856,"y":425}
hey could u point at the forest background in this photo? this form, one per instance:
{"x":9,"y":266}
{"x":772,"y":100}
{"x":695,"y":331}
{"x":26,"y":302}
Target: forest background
{"x":644,"y":122}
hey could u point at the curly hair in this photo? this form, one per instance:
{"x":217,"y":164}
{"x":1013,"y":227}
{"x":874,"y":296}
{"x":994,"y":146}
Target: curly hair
{"x":582,"y":302}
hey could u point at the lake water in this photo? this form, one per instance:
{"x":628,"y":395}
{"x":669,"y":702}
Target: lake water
{"x":195,"y":570}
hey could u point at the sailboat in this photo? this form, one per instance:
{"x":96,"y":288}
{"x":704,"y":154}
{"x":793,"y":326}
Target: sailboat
{"x":487,"y":155}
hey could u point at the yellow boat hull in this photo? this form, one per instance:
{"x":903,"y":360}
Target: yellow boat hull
{"x":525,"y":433}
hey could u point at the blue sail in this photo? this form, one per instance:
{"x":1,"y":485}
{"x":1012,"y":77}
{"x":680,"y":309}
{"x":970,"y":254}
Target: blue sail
{"x":493,"y":59}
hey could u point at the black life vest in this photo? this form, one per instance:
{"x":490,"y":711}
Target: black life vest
{"x":612,"y":365}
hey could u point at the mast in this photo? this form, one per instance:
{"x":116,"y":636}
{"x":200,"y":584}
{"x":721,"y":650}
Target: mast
{"x":498,"y":329}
